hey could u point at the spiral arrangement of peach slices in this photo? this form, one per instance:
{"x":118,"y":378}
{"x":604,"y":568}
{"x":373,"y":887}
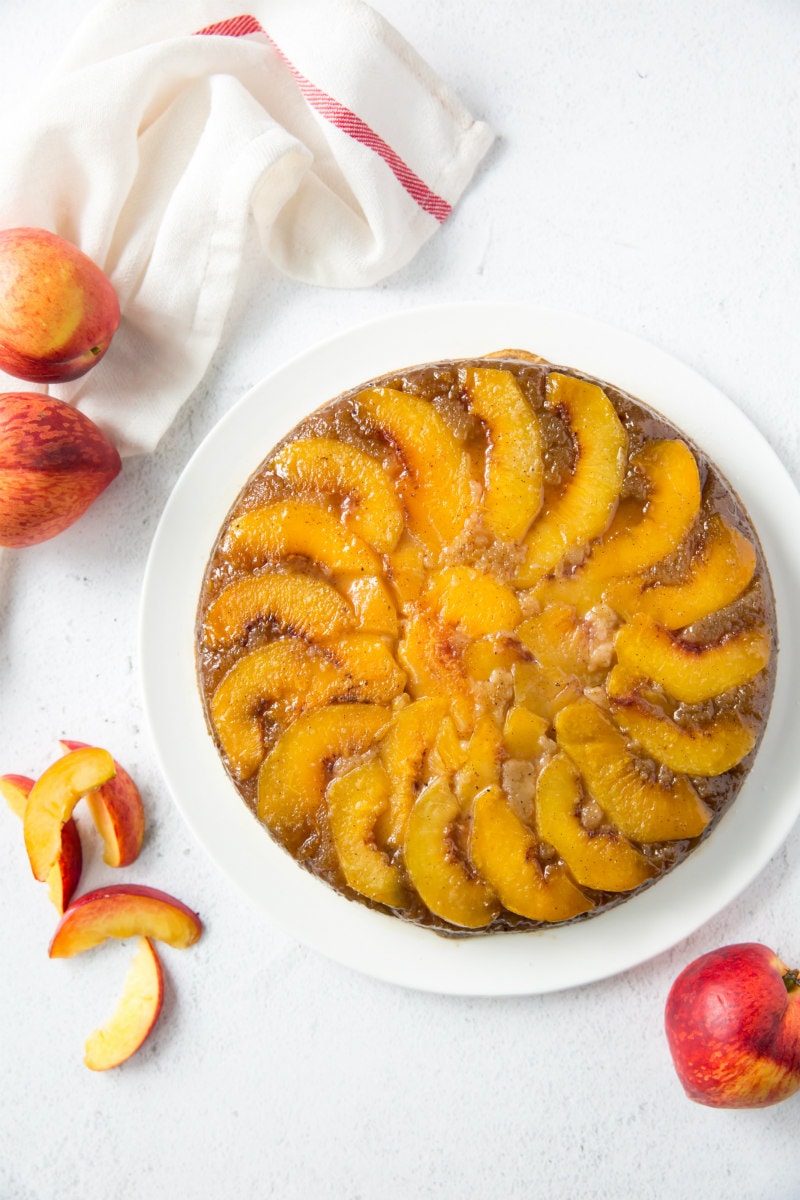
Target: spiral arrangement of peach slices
{"x":469,"y":680}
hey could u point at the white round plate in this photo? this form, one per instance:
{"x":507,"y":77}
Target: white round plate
{"x":369,"y":941}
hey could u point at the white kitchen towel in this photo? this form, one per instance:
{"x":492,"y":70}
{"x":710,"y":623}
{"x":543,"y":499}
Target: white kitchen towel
{"x":168,"y":123}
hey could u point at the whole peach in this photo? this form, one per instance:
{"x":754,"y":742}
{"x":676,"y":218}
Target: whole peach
{"x":54,"y":463}
{"x":58,"y":311}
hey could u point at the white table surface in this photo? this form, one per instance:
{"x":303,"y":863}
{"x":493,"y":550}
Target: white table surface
{"x":646,"y":173}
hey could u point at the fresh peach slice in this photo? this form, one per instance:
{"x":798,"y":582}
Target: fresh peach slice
{"x":705,"y":748}
{"x":692,"y":672}
{"x":288,"y":677}
{"x":598,"y":857}
{"x":121,"y":911}
{"x":514,"y":468}
{"x":302,"y":604}
{"x":522,"y":732}
{"x":355,"y":802}
{"x":718,"y":574}
{"x":65,"y":873}
{"x":298,"y":527}
{"x":117,"y":812}
{"x":485,"y":754}
{"x":503,"y":849}
{"x":431,"y":654}
{"x":294,"y":775}
{"x":136,"y":1013}
{"x":441,"y":875}
{"x":435,"y":484}
{"x":543,"y":692}
{"x":52,"y":799}
{"x":375,"y":610}
{"x":583,"y":508}
{"x":405,"y":748}
{"x":642,"y":809}
{"x":327,"y":467}
{"x":476,"y":603}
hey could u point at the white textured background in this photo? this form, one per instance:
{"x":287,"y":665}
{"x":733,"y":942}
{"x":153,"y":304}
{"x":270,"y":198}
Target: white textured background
{"x":646,"y":173}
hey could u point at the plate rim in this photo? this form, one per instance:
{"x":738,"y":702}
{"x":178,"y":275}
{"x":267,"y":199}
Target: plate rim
{"x":378,"y":945}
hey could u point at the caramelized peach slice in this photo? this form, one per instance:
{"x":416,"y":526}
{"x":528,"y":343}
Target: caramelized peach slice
{"x":489,"y":654}
{"x":298,"y":527}
{"x":692,"y":671}
{"x":52,"y":799}
{"x":718,"y":574}
{"x":135,"y":1015}
{"x":514,"y":469}
{"x":476,"y":603}
{"x":294,"y":775}
{"x":503,"y":849}
{"x":448,"y":754}
{"x":598,"y":858}
{"x":65,"y":873}
{"x":405,"y":748}
{"x":297,"y":603}
{"x":374,"y":608}
{"x":543,"y":692}
{"x":324,"y":466}
{"x":484,"y":756}
{"x":706,"y":748}
{"x":122,"y":911}
{"x":642,"y":809}
{"x":522,"y":732}
{"x":355,"y":802}
{"x":435,"y":484}
{"x":583,"y":508}
{"x":431,"y":654}
{"x":560,"y":641}
{"x":289,"y":677}
{"x":407,"y":571}
{"x":117,"y":811}
{"x":439,"y":872}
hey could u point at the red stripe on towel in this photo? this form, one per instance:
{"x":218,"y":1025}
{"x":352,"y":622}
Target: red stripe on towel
{"x":342,"y":117}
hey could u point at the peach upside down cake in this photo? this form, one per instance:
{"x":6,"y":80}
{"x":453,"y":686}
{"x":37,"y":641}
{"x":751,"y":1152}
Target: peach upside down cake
{"x":487,"y":644}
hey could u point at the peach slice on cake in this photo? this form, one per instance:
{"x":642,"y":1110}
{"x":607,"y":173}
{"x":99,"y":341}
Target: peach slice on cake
{"x":514,"y":469}
{"x":136,"y":1013}
{"x":406,"y":570}
{"x":476,"y":603}
{"x":706,"y":748}
{"x":294,"y":775}
{"x":720,"y":571}
{"x":503,"y":849}
{"x":65,"y":873}
{"x":543,"y":692}
{"x":288,"y":677}
{"x":484,"y":757}
{"x":642,"y":808}
{"x":404,"y":752}
{"x":582,"y":509}
{"x":53,"y":798}
{"x":435,"y":481}
{"x":297,"y":527}
{"x":356,"y":800}
{"x":438,"y":868}
{"x":561,"y":641}
{"x":688,"y":671}
{"x":522,"y":731}
{"x":302,"y":604}
{"x":121,"y":911}
{"x":486,"y":655}
{"x":118,"y":814}
{"x":326,"y":467}
{"x":430,"y":652}
{"x":597,"y":855}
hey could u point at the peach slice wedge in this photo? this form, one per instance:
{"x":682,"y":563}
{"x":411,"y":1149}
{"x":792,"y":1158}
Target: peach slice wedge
{"x":503,"y":849}
{"x":297,"y":527}
{"x":355,"y":802}
{"x":53,"y":797}
{"x":583,"y":508}
{"x":116,"y":809}
{"x":136,"y":1013}
{"x":404,"y":752}
{"x":65,"y":873}
{"x":688,"y":671}
{"x":599,"y":858}
{"x":476,"y":603}
{"x":124,"y":910}
{"x":514,"y":468}
{"x":706,"y":748}
{"x":444,"y":878}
